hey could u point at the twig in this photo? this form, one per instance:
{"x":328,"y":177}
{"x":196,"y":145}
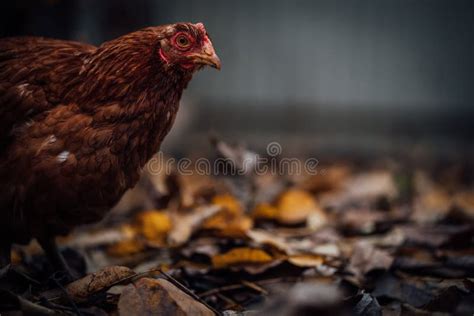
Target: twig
{"x":44,"y":301}
{"x":231,"y":287}
{"x":230,"y":302}
{"x":255,"y":287}
{"x":68,"y":297}
{"x":30,"y":308}
{"x":222,"y":289}
{"x":187,"y":291}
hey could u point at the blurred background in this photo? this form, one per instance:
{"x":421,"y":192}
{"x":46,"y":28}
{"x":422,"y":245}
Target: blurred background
{"x":324,"y":77}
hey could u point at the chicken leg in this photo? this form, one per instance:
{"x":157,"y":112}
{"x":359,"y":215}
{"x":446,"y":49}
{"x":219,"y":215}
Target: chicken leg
{"x":48,"y":243}
{"x":5,"y":257}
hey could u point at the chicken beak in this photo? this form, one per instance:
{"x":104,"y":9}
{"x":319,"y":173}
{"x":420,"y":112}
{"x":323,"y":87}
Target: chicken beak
{"x":208,"y":56}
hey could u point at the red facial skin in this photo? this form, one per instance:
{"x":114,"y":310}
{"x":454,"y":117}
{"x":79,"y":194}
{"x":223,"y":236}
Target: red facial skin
{"x":189,"y":49}
{"x":186,"y":51}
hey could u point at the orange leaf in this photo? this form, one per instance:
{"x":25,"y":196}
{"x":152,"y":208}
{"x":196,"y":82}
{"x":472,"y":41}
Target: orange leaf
{"x":296,"y":206}
{"x":154,"y":225}
{"x":228,"y":202}
{"x":240,"y":256}
{"x":125,"y":248}
{"x":230,"y":221}
{"x":264,"y":211}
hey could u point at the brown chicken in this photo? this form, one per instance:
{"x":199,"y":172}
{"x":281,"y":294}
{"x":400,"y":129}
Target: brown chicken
{"x":78,"y":122}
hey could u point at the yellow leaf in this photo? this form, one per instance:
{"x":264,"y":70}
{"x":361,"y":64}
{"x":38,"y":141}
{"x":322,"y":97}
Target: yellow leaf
{"x":306,"y":260}
{"x":240,"y":256}
{"x":154,"y":225}
{"x":125,"y":248}
{"x":264,"y":211}
{"x":228,"y":224}
{"x":228,"y":202}
{"x":128,"y":231}
{"x":295,"y":206}
{"x":230,"y":221}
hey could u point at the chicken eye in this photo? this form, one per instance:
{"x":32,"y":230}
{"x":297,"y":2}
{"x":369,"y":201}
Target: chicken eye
{"x":182,"y":41}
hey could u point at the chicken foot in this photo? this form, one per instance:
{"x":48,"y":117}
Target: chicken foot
{"x":48,"y":243}
{"x":5,"y":257}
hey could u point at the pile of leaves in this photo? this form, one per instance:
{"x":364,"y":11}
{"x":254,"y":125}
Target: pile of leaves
{"x":363,"y":239}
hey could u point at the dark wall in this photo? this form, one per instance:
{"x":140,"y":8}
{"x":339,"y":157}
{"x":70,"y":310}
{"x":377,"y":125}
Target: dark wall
{"x":399,"y":66}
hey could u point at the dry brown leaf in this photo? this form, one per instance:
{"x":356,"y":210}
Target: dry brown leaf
{"x":362,"y":189}
{"x":264,"y":237}
{"x":361,"y":220}
{"x":80,"y":290}
{"x":241,"y":256}
{"x":185,"y":224}
{"x":464,"y":201}
{"x":194,"y":188}
{"x":158,"y":297}
{"x":365,"y":258}
{"x":332,"y":179}
{"x":154,"y":225}
{"x":267,"y":187}
{"x":16,"y":257}
{"x":432,"y":206}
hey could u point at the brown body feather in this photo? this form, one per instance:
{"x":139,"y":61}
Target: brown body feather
{"x":77,"y":124}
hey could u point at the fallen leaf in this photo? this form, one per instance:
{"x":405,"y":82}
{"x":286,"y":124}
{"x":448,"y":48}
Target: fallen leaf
{"x":185,"y":224}
{"x":366,"y":257}
{"x":196,"y":188}
{"x":14,"y":304}
{"x":229,"y":203}
{"x":306,"y":260}
{"x":437,"y":236}
{"x":327,"y":249}
{"x":367,"y":306}
{"x":307,"y":299}
{"x":154,"y":225}
{"x":297,"y":206}
{"x":362,"y":189}
{"x":125,"y":248}
{"x":96,"y":238}
{"x":80,"y":290}
{"x":264,"y":211}
{"x":332,"y":179}
{"x":226,"y":224}
{"x":231,"y":220}
{"x":432,"y":206}
{"x":267,"y":187}
{"x":389,"y":286}
{"x":446,"y":300}
{"x":263,"y":237}
{"x":240,"y":159}
{"x":158,"y":297}
{"x":16,"y":257}
{"x":241,"y":256}
{"x":361,"y":221}
{"x":464,"y":203}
